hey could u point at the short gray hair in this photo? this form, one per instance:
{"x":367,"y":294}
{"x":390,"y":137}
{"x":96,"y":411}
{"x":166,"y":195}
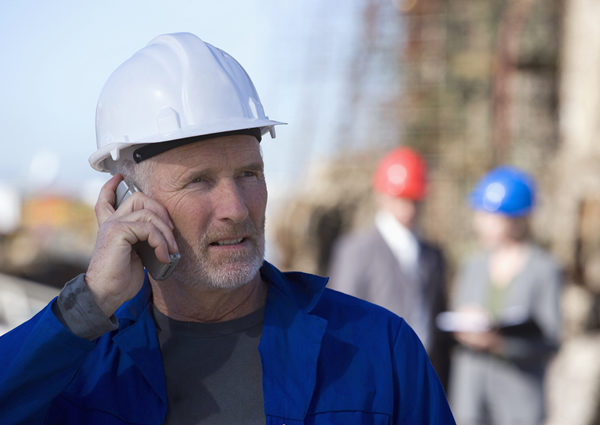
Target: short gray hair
{"x":139,"y":174}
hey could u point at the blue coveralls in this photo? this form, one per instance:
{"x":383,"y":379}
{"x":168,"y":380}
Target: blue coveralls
{"x":327,"y":358}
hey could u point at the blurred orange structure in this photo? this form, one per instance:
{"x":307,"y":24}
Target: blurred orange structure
{"x":53,"y":243}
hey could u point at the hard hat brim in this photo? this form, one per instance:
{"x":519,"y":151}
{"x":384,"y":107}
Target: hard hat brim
{"x":105,"y":158}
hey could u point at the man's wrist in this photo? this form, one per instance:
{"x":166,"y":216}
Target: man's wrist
{"x":79,"y":312}
{"x":107,"y":303}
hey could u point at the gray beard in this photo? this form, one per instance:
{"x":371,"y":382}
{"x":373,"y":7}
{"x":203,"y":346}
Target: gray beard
{"x":196,"y":267}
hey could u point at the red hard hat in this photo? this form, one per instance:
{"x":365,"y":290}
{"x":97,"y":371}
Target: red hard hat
{"x":402,"y":173}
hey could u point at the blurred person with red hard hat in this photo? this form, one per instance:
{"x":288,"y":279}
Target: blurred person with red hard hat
{"x":389,"y":264}
{"x":506,"y":309}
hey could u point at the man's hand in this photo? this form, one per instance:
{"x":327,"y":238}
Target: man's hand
{"x":116,"y":274}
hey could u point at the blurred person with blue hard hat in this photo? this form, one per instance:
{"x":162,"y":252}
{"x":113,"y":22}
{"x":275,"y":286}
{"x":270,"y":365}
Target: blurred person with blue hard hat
{"x":506,"y":314}
{"x":178,"y":319}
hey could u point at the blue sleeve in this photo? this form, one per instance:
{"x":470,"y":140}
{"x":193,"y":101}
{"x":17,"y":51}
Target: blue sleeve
{"x":420,"y":398}
{"x":39,"y":359}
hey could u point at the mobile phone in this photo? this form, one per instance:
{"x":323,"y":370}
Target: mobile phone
{"x":156,"y":268}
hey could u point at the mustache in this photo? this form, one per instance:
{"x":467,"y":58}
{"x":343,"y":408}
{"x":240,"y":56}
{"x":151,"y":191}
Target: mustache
{"x":234,"y":231}
{"x":225,"y":231}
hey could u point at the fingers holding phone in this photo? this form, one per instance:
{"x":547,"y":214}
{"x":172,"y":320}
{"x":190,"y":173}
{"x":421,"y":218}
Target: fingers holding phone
{"x":159,"y":269}
{"x":140,"y":231}
{"x":162,"y":241}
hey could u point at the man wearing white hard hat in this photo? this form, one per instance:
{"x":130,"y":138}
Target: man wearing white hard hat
{"x":178,"y":319}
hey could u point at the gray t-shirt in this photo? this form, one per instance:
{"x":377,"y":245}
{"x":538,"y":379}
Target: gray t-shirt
{"x":213,"y":371}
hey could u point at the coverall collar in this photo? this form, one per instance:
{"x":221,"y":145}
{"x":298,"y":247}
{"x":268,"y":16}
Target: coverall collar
{"x":305,"y":291}
{"x":289,"y":348}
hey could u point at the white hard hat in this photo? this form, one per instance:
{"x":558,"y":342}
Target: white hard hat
{"x":177,"y":87}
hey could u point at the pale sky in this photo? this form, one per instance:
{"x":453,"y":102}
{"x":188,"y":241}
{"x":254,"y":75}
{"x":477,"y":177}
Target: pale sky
{"x":57,"y":55}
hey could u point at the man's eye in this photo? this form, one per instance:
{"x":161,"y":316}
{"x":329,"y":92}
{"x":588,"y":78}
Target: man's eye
{"x":198,"y":180}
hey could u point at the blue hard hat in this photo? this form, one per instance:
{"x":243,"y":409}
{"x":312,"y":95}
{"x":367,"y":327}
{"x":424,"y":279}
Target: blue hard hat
{"x":504,"y":190}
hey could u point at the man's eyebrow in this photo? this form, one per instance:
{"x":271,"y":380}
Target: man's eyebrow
{"x":255,"y":166}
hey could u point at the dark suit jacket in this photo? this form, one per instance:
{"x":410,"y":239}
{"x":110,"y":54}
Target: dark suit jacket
{"x":363,"y":265}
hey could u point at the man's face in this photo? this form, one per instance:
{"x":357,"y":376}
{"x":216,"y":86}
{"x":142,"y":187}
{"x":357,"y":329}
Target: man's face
{"x":492,"y":229}
{"x":404,"y":210}
{"x":216,"y":195}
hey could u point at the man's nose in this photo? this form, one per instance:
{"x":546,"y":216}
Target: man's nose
{"x":230,"y":202}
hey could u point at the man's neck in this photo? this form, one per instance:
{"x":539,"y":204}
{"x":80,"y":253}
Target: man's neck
{"x":199,"y":304}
